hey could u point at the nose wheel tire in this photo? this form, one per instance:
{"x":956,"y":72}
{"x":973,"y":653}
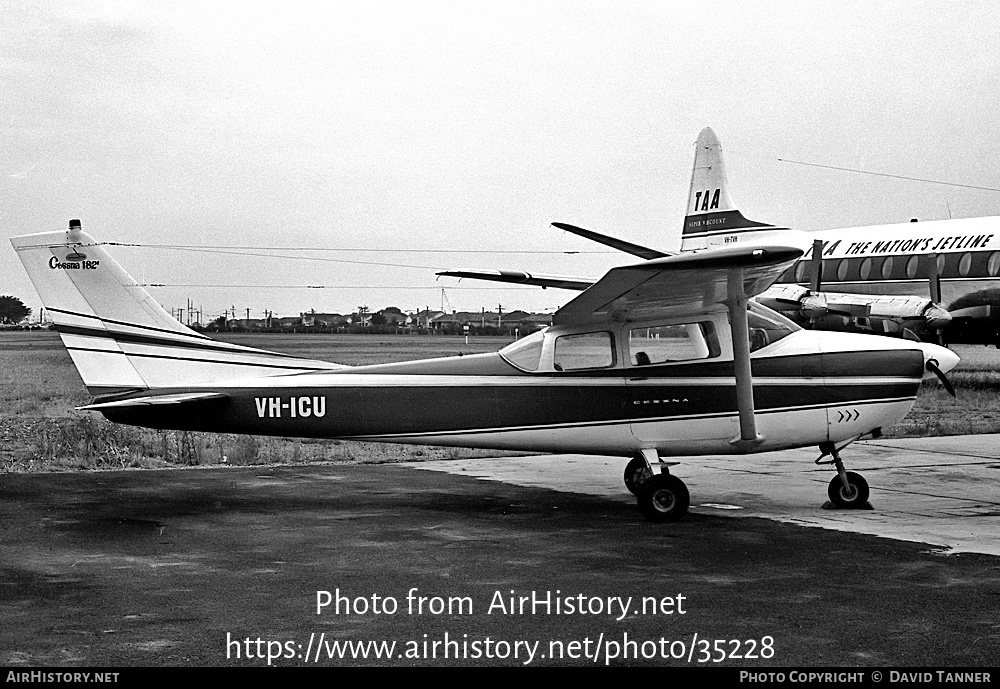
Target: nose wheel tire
{"x":663,"y":498}
{"x":855,"y":496}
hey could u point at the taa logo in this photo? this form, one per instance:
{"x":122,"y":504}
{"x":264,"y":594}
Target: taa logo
{"x":294,"y":407}
{"x":701,"y":200}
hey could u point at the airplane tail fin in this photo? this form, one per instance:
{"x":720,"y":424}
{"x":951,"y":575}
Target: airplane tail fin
{"x":712,"y":218}
{"x":119,"y":337}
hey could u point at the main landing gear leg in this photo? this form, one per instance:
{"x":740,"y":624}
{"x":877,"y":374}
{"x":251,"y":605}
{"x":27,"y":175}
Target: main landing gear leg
{"x":847,"y":490}
{"x":662,"y":497}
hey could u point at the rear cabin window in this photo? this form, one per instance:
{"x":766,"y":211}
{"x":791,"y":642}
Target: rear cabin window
{"x":587,"y":350}
{"x":668,"y":343}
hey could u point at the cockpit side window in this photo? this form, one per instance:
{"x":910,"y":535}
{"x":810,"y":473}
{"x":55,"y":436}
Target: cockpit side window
{"x":586,"y":350}
{"x":669,"y":343}
{"x":767,"y":326}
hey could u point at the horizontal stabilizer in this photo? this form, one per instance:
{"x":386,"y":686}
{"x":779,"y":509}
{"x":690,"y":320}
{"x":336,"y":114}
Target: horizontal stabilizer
{"x":155,"y":400}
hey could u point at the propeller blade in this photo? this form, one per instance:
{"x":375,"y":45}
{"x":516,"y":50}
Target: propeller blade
{"x":933,"y":367}
{"x":934,"y":277}
{"x":974,"y":312}
{"x":816,"y":266}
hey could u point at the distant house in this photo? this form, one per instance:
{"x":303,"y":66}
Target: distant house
{"x":311,"y":319}
{"x":490,"y":321}
{"x":538,"y":320}
{"x":286,"y":322}
{"x":246,"y":323}
{"x":394,"y":317}
{"x":426,"y":318}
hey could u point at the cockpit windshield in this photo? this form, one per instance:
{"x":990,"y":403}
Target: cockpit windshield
{"x":767,"y":326}
{"x":526,"y":352}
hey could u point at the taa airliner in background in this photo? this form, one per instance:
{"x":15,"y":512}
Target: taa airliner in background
{"x":668,"y":357}
{"x":938,"y":281}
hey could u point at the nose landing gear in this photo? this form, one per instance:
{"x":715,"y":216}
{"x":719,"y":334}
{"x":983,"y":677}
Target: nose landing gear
{"x":847,"y":490}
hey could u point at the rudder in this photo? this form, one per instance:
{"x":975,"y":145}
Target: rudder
{"x":119,"y":337}
{"x":711,"y":217}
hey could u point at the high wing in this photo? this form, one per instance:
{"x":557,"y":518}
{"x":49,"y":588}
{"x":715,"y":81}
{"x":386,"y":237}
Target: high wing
{"x":613,"y":242}
{"x":671,"y":284}
{"x":689,"y":284}
{"x":560,"y":281}
{"x":680,"y":284}
{"x":521,"y":278}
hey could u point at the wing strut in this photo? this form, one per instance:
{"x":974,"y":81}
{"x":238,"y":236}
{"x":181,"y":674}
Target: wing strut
{"x":737,"y":304}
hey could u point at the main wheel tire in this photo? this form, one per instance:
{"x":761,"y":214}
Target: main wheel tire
{"x":664,"y":498}
{"x":636,"y":474}
{"x":857,"y":496}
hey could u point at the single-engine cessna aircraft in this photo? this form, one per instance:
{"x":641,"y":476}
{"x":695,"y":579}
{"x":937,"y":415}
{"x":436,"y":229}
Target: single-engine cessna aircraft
{"x":664,"y":358}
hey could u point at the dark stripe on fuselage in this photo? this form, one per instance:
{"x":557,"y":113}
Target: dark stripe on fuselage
{"x":227,"y":362}
{"x":137,"y":338}
{"x":400,"y":410}
{"x":132,"y":325}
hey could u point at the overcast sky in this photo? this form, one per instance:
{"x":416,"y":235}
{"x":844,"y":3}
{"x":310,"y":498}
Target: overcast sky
{"x":470,"y":126}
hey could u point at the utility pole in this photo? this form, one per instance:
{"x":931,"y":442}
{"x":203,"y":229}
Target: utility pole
{"x":499,"y":314}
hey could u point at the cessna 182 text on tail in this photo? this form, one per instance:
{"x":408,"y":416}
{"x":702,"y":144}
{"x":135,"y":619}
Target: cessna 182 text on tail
{"x":887,"y":279}
{"x":652,"y":360}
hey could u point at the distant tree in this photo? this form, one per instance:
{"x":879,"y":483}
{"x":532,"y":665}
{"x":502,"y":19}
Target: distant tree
{"x":12,"y":310}
{"x":378,"y":319}
{"x":392,"y":309}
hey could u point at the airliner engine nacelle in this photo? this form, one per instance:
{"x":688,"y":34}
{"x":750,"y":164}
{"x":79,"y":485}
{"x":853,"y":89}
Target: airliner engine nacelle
{"x":879,"y":314}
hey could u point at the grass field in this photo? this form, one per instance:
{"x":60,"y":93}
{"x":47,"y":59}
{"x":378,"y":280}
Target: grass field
{"x":39,"y":388}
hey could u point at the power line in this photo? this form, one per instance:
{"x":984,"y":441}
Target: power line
{"x":295,"y":258}
{"x":194,"y":247}
{"x":865,"y":172}
{"x":247,"y":253}
{"x":230,"y":286}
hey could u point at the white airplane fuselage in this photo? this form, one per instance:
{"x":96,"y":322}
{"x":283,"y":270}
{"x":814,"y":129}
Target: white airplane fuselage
{"x":809,"y":387}
{"x":892,"y":259}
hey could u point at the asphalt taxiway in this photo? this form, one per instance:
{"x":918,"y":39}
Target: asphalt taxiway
{"x":224,"y":566}
{"x":942,"y":491}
